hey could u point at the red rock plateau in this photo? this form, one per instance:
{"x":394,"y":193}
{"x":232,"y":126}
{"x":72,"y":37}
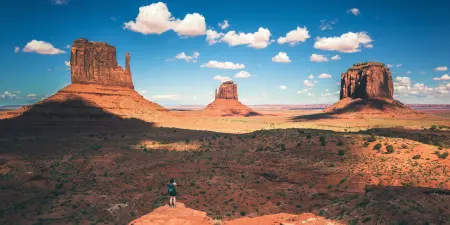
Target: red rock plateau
{"x":367,"y":88}
{"x":226,"y":103}
{"x":165,"y":215}
{"x":100,"y":88}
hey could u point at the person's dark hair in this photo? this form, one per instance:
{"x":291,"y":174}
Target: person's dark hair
{"x":172,"y":180}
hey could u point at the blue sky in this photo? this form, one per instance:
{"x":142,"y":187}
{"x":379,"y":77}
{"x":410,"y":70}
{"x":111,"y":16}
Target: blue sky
{"x":412,"y":37}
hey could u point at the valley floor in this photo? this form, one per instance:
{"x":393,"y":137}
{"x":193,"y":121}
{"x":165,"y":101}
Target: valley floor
{"x":349,"y":170}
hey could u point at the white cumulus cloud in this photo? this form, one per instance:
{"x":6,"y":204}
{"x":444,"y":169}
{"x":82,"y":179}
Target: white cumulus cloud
{"x":191,"y":25}
{"x":224,"y":25}
{"x":283,"y":87}
{"x":157,"y":19}
{"x":42,"y":47}
{"x":349,"y":42}
{"x":281,"y":57}
{"x":223,"y":65}
{"x":295,"y":36}
{"x":213,"y":36}
{"x":336,"y":57}
{"x":308,"y":83}
{"x":243,"y":74}
{"x":259,"y":39}
{"x":354,"y":11}
{"x":311,"y":77}
{"x":222,"y":78}
{"x":443,"y":77}
{"x":324,"y":75}
{"x":441,"y":68}
{"x":318,"y":58}
{"x":188,"y":58}
{"x":327,"y":25}
{"x":16,"y":49}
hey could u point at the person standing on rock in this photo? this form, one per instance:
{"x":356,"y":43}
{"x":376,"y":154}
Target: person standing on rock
{"x":172,"y":193}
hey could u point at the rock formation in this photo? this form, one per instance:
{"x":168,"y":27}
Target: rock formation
{"x":165,"y":215}
{"x":95,"y":63}
{"x":100,"y":89}
{"x":367,"y":88}
{"x":367,"y":80}
{"x":227,"y":90}
{"x":226,"y":103}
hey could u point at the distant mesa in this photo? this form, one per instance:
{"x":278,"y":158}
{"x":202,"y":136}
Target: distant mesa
{"x":368,"y":88}
{"x":226,"y":102}
{"x":99,"y":85}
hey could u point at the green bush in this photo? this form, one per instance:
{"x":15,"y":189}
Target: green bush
{"x":390,"y":149}
{"x":308,"y":136}
{"x":243,"y":213}
{"x":442,"y":156}
{"x":340,"y":143}
{"x":283,"y":147}
{"x":416,"y":157}
{"x":341,"y":152}
{"x":371,"y":138}
{"x":434,"y":127}
{"x":377,"y":146}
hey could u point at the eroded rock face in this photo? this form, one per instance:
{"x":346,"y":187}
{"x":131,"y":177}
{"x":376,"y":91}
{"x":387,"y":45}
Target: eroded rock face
{"x":96,"y":63}
{"x":366,"y":81}
{"x":227,"y":90}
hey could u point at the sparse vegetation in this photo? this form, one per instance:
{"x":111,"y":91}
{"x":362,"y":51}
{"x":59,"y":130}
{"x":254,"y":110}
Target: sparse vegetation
{"x":377,"y":146}
{"x":390,"y":149}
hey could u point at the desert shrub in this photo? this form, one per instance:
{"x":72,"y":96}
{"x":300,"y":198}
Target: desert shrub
{"x":442,"y":156}
{"x":434,"y":127}
{"x":340,"y":142}
{"x":283,"y":147}
{"x":390,"y":149}
{"x":298,"y":206}
{"x":372,"y":138}
{"x":404,"y":146}
{"x":59,"y":185}
{"x":416,"y":157}
{"x":366,"y":144}
{"x":242,"y":213}
{"x":377,"y":146}
{"x":341,"y":152}
{"x":187,"y":140}
{"x":322,"y":141}
{"x":322,"y":138}
{"x":308,"y":136}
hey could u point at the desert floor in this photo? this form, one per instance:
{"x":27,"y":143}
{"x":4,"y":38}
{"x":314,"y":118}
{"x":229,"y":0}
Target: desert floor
{"x":352,"y":170}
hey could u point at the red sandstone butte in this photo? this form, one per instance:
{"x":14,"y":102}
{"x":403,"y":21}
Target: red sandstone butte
{"x":367,"y":80}
{"x":367,"y":88}
{"x":227,"y":90}
{"x":95,"y":63}
{"x":226,"y":103}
